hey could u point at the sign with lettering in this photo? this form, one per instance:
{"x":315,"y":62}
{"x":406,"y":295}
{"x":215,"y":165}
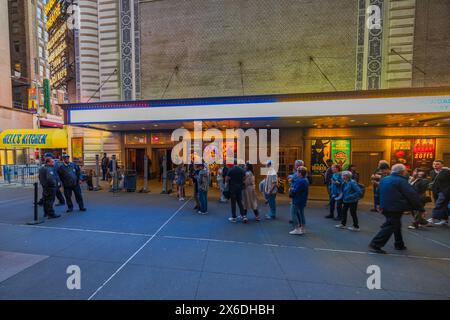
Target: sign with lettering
{"x":424,"y":153}
{"x":401,"y":152}
{"x":30,"y":138}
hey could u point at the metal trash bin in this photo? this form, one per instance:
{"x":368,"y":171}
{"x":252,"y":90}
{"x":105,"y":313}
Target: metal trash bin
{"x":129,"y":182}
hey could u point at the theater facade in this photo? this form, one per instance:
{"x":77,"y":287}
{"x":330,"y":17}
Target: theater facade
{"x":410,"y":126}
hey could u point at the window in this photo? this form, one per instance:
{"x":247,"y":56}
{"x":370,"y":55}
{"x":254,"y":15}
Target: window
{"x":15,"y":27}
{"x":39,"y":13}
{"x":41,"y":52}
{"x":40,"y":32}
{"x":16,"y":46}
{"x":41,"y":71}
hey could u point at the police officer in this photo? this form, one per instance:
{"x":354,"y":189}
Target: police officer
{"x":49,"y":182}
{"x":69,"y":174}
{"x":59,"y":196}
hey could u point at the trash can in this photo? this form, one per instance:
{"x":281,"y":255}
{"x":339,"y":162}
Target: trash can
{"x":129,"y":182}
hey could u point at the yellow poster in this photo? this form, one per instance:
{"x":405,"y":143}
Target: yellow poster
{"x":34,"y":138}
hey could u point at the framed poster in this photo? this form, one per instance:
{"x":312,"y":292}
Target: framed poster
{"x":77,"y":150}
{"x":401,"y":152}
{"x":320,"y":152}
{"x":341,"y":152}
{"x":424,"y":153}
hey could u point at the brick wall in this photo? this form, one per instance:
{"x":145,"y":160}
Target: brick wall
{"x":273,"y":39}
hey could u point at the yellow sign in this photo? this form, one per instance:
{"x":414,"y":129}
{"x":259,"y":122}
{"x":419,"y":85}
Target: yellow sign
{"x":34,"y":138}
{"x":32,"y":99}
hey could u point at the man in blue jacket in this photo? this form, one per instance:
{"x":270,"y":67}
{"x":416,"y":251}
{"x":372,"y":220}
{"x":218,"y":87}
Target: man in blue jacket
{"x":396,"y":197}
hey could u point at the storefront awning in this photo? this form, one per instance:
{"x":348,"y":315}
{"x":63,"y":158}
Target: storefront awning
{"x":34,"y":138}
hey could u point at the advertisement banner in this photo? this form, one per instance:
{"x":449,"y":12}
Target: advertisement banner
{"x":77,"y":150}
{"x":401,"y":152}
{"x":34,"y":138}
{"x":341,"y":152}
{"x":32,"y":105}
{"x":320,"y":152}
{"x":424,"y":153}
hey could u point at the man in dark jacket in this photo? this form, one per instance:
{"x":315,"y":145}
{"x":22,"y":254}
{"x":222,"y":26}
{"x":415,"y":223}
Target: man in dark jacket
{"x":396,"y":197}
{"x":235,"y":180}
{"x":105,"y":164}
{"x":59,"y":196}
{"x":441,"y":193}
{"x":69,"y":174}
{"x":49,"y":182}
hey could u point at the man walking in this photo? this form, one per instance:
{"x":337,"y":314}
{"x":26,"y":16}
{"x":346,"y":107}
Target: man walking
{"x":47,"y":178}
{"x":396,"y":197}
{"x":105,"y":164}
{"x":440,"y":186}
{"x":69,"y":173}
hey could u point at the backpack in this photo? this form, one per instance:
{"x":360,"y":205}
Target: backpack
{"x":363,"y":189}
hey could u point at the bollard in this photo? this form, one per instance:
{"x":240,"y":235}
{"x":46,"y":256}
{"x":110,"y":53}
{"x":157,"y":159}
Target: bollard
{"x":97,"y":173}
{"x":145,"y":188}
{"x":115,"y":186}
{"x":164,"y":179}
{"x":35,"y":204}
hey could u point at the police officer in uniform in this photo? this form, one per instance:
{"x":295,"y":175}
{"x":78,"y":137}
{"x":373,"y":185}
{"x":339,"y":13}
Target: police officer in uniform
{"x":49,"y":182}
{"x":59,"y":196}
{"x":69,"y":173}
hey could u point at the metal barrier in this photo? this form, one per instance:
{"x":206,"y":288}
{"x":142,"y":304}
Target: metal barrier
{"x":19,"y":174}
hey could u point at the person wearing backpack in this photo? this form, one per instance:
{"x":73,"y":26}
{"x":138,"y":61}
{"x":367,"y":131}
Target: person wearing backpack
{"x":351,"y":195}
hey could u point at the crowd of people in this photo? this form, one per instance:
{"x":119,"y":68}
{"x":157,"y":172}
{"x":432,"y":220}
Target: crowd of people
{"x":396,"y":191}
{"x":55,"y":174}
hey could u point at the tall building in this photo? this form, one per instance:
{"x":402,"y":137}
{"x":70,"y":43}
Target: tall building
{"x":360,"y":73}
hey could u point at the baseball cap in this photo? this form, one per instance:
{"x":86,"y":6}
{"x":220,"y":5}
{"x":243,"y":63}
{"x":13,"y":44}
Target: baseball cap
{"x":65,"y":155}
{"x":48,"y":155}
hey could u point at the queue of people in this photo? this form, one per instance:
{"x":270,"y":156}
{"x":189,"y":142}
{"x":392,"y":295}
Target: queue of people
{"x":52,"y":175}
{"x":396,"y":192}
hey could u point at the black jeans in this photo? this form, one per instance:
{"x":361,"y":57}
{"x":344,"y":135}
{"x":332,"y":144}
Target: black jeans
{"x":236,"y":197}
{"x":48,"y":197}
{"x":338,"y":204}
{"x":393,"y":225}
{"x":78,"y":197}
{"x":353,"y":207}
{"x":104,"y":172}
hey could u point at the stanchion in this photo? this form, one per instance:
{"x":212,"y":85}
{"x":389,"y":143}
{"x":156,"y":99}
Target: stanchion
{"x":36,"y":212}
{"x":97,"y":173}
{"x":145,"y":188}
{"x":115,"y":180}
{"x":164,"y":178}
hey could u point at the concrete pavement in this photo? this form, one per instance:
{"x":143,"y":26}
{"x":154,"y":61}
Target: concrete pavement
{"x":151,"y":246}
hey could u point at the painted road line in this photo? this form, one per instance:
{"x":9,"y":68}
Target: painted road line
{"x":308,"y":248}
{"x":137,"y":251}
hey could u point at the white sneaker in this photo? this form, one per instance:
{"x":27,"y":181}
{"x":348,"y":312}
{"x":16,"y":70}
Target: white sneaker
{"x":441,"y":223}
{"x":430,"y":220}
{"x":205,"y":212}
{"x":413,"y":227}
{"x":296,"y":231}
{"x":340,"y":226}
{"x":353,"y":229}
{"x":233,"y":220}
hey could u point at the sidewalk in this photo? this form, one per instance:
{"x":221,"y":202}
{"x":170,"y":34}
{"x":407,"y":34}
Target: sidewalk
{"x":151,"y":246}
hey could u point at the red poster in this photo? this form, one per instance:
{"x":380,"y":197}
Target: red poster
{"x":424,"y":153}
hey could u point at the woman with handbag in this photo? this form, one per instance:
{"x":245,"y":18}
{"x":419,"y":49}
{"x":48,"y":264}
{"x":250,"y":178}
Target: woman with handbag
{"x":420,"y":183}
{"x":249,"y":193}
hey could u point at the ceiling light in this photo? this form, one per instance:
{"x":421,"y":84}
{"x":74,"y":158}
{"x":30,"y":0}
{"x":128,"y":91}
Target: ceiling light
{"x":247,"y":123}
{"x":366,"y":123}
{"x":143,"y":128}
{"x":298,"y":121}
{"x":314,"y":124}
{"x":267,"y":125}
{"x":155,"y":125}
{"x":114,"y":126}
{"x":352,"y":120}
{"x":412,"y":119}
{"x":224,"y":126}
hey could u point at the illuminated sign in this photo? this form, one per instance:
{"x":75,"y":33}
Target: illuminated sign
{"x":59,"y":41}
